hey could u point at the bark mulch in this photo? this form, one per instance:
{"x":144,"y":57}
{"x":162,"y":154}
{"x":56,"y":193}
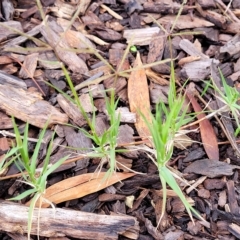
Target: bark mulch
{"x":79,"y":34}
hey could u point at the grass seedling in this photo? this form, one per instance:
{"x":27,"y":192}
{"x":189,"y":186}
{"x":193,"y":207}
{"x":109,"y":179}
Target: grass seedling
{"x":166,"y":124}
{"x":230,"y":97}
{"x":36,"y":179}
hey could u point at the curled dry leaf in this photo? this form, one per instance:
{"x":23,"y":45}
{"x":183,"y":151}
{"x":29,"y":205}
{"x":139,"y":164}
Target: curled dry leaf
{"x":138,"y":96}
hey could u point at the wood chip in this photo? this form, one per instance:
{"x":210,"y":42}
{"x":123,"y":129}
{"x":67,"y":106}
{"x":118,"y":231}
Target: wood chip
{"x":141,"y":36}
{"x":210,"y":168}
{"x":29,"y":107}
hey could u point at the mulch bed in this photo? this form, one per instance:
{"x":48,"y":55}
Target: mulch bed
{"x":205,"y":37}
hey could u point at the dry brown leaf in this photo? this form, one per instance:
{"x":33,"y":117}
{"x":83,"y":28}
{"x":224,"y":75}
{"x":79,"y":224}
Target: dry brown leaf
{"x":79,"y":186}
{"x":208,"y":135}
{"x":138,"y":96}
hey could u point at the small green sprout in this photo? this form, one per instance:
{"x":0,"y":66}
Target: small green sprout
{"x":133,"y":49}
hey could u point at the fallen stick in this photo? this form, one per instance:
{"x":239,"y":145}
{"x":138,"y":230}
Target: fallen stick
{"x":62,"y":222}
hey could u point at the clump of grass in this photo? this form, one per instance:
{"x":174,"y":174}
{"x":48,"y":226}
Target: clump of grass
{"x":230,"y":96}
{"x":37,"y":180}
{"x":165,"y":126}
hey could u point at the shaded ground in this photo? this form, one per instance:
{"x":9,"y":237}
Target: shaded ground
{"x":204,"y":38}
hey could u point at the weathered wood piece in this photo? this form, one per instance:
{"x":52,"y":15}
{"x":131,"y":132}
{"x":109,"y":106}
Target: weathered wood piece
{"x":232,"y":198}
{"x":211,"y":168}
{"x":231,"y":48}
{"x":6,"y":79}
{"x":164,"y":7}
{"x":29,"y":107}
{"x":7,"y":29}
{"x":21,"y":39}
{"x":61,"y":222}
{"x":5,"y":121}
{"x":75,"y":63}
{"x":48,"y":60}
{"x":197,"y":70}
{"x":185,"y":22}
{"x":141,"y":36}
{"x":234,"y":229}
{"x":29,"y":66}
{"x":71,"y":110}
{"x":191,"y":49}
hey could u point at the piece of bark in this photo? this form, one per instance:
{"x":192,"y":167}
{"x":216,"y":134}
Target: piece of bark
{"x":29,"y":107}
{"x":197,"y":70}
{"x":29,"y":66}
{"x":190,"y":49}
{"x":60,"y":222}
{"x":71,"y":110}
{"x":80,"y":143}
{"x":156,"y":47}
{"x":211,"y":184}
{"x":138,"y":201}
{"x":108,"y":197}
{"x":92,"y":20}
{"x":232,"y":198}
{"x":22,"y":39}
{"x":70,"y":58}
{"x":141,"y":36}
{"x":125,"y":115}
{"x":108,"y":34}
{"x":117,"y":85}
{"x":125,"y":134}
{"x":5,"y":121}
{"x":159,"y":93}
{"x":124,"y":164}
{"x":77,"y":40}
{"x":204,"y":193}
{"x":63,"y":9}
{"x":61,"y":153}
{"x":7,"y":79}
{"x":185,"y":22}
{"x":6,"y":33}
{"x":96,"y":91}
{"x":29,"y":12}
{"x":18,"y":236}
{"x":101,"y":124}
{"x":86,"y":103}
{"x":211,"y":34}
{"x":222,"y":200}
{"x":234,"y":229}
{"x":164,"y":7}
{"x":216,"y":18}
{"x":231,"y":48}
{"x":48,"y":60}
{"x":207,"y":3}
{"x":235,"y":76}
{"x":210,"y":168}
{"x":194,"y":155}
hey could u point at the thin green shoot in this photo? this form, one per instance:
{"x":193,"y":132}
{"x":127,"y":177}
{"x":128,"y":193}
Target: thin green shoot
{"x":165,"y":125}
{"x":35,"y":179}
